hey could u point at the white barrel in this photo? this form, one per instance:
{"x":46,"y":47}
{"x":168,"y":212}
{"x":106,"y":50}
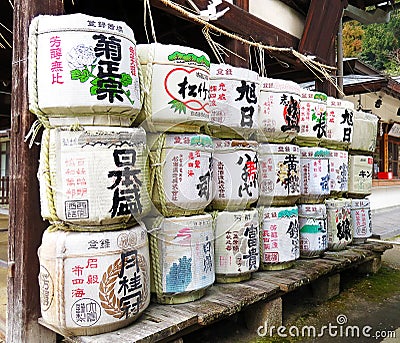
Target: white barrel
{"x":338,"y":171}
{"x":177,"y":83}
{"x":93,"y":178}
{"x":313,"y":231}
{"x":339,"y":125}
{"x":237,"y":246}
{"x":234,"y":101}
{"x":181,"y":171}
{"x":280,"y":245}
{"x":360,"y":175}
{"x":235,"y":174}
{"x":84,"y":70}
{"x":182,"y":254}
{"x":93,"y":282}
{"x":314,"y":185}
{"x":361,"y":218}
{"x":279,"y":116}
{"x":364,"y":132}
{"x":339,"y":223}
{"x":279,"y":174}
{"x":313,"y":119}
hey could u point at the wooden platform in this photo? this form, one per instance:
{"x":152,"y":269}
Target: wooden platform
{"x":169,"y":322}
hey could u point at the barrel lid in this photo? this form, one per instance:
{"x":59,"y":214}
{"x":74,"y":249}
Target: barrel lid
{"x":195,"y":141}
{"x":82,"y":22}
{"x":278,"y":85}
{"x":228,"y":72}
{"x":223,"y":145}
{"x":359,"y":203}
{"x":315,"y":152}
{"x":312,"y":210}
{"x":335,"y":203}
{"x":265,"y":148}
{"x":172,"y":54}
{"x":361,"y":115}
{"x":318,"y":97}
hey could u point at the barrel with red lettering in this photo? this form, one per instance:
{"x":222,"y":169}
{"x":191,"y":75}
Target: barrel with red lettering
{"x":93,"y":282}
{"x":84,"y":70}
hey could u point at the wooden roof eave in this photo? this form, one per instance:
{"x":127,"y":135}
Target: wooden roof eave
{"x":238,"y":21}
{"x":365,"y":87}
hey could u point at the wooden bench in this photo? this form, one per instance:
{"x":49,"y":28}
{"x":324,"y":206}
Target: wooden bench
{"x":169,"y":322}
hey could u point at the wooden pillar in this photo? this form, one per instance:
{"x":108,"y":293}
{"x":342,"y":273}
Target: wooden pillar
{"x":239,"y":48}
{"x":385,"y":152}
{"x":25,"y":224}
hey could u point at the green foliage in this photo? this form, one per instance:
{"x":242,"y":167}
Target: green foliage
{"x":177,"y":105}
{"x":353,"y":33}
{"x":379,"y":43}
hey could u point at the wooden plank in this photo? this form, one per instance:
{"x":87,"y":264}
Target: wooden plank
{"x":26,"y":224}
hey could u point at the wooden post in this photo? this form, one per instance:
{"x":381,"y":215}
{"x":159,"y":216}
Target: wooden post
{"x":385,"y":152}
{"x":25,"y":224}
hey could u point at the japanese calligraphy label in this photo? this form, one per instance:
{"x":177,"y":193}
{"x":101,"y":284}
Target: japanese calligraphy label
{"x":83,"y":69}
{"x":365,"y":132}
{"x":360,"y":175}
{"x":339,"y":123}
{"x":234,"y":96}
{"x":235,"y":174}
{"x":313,"y":118}
{"x":183,"y":255}
{"x":185,"y":178}
{"x":314,"y":185}
{"x":177,"y":78}
{"x":339,"y":223}
{"x":93,"y":282}
{"x":338,"y":171}
{"x":236,"y":245}
{"x":97,"y":175}
{"x":279,"y":117}
{"x":361,"y":219}
{"x":313,"y":230}
{"x":280,"y":237}
{"x":279,"y":174}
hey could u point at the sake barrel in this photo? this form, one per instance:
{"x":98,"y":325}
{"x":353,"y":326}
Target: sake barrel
{"x":181,"y":169}
{"x":364,"y":132}
{"x":234,"y":101}
{"x":338,"y":172}
{"x":237,"y":247}
{"x":94,"y":178}
{"x":339,"y":223}
{"x":361,"y":220}
{"x":182,"y":253}
{"x":313,"y":120}
{"x":313,"y":231}
{"x":360,"y":175}
{"x":83,"y":69}
{"x":235,"y":174}
{"x":314,"y":185}
{"x":93,"y":282}
{"x":279,"y":116}
{"x":339,"y":125}
{"x":279,"y":237}
{"x":279,"y":174}
{"x":177,"y":83}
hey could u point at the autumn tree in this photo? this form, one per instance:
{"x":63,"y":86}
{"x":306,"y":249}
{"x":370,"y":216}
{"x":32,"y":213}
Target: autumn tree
{"x":352,"y":38}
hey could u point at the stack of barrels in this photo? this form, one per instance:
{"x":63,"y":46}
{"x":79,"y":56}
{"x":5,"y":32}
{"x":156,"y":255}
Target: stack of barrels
{"x":94,"y":258}
{"x":161,"y":173}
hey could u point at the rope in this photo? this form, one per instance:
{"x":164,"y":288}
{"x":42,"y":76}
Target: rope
{"x":155,"y":256}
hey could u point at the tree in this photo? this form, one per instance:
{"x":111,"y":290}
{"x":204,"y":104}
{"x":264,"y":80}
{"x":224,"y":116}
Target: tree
{"x":353,"y":33}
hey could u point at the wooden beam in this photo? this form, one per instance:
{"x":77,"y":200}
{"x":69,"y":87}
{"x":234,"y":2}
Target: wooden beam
{"x":25,"y":224}
{"x":236,"y":20}
{"x":321,"y":28}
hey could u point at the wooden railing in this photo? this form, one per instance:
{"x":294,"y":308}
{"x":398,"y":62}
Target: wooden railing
{"x":4,"y":189}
